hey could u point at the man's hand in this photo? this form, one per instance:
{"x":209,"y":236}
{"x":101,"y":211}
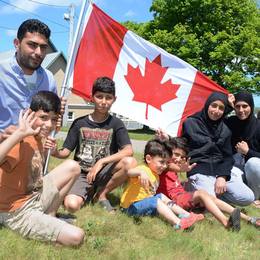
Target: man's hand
{"x":7,"y":132}
{"x":242,"y":147}
{"x":63,"y":101}
{"x":94,"y":171}
{"x":220,"y":185}
{"x":62,"y":110}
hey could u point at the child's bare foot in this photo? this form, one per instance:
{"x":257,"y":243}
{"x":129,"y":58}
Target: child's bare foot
{"x":256,"y":204}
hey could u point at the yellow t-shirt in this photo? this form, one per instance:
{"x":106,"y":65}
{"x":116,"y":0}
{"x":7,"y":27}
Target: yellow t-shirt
{"x":135,"y":192}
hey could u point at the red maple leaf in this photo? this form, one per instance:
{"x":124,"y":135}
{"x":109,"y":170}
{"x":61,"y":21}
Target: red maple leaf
{"x":148,"y":88}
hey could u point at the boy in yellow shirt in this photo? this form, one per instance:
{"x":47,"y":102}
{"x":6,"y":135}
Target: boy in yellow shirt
{"x":140,"y":198}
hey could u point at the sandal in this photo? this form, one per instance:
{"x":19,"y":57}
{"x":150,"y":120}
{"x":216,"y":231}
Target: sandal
{"x":254,"y":221}
{"x":234,"y":220}
{"x":105,"y":204}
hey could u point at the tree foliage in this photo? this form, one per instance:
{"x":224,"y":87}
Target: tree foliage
{"x":218,"y":37}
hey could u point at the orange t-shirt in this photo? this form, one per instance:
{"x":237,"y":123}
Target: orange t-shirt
{"x":21,"y":174}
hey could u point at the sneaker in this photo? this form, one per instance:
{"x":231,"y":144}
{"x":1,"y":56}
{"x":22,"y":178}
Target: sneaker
{"x":255,"y":222}
{"x":199,"y":217}
{"x":234,"y":220}
{"x":68,"y":218}
{"x":186,"y":223}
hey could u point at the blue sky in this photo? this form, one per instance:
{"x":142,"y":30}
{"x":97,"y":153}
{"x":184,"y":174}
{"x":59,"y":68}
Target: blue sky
{"x":14,"y":12}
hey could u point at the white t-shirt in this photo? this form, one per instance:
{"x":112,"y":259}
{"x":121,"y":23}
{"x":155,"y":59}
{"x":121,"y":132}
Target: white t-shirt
{"x":31,"y":80}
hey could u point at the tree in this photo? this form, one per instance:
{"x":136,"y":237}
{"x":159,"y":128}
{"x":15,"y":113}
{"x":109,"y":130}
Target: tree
{"x":218,"y":37}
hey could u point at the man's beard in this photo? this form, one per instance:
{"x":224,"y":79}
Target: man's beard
{"x":26,"y":62}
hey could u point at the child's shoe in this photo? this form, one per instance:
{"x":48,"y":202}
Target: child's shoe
{"x":255,"y":222}
{"x":199,"y":217}
{"x":234,"y":220}
{"x":185,"y":223}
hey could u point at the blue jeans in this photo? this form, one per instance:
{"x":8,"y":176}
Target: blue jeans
{"x":145,"y":207}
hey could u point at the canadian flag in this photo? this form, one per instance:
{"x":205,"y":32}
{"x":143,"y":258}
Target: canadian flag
{"x":153,"y":87}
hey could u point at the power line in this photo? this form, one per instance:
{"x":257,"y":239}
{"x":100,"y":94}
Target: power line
{"x":7,"y":28}
{"x":47,"y":4}
{"x":15,"y":29}
{"x":34,"y":14}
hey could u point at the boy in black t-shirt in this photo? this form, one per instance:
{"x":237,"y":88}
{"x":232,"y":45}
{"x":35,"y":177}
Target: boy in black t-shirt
{"x":102,"y":148}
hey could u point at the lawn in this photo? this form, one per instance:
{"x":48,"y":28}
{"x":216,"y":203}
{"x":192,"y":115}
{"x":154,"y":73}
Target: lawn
{"x":117,"y":236}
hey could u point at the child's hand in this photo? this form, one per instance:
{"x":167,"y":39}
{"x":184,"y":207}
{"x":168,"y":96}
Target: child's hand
{"x":185,"y":166}
{"x":94,"y":171}
{"x":161,"y":134}
{"x":26,"y":120}
{"x":50,"y":143}
{"x":231,"y":100}
{"x":144,"y":180}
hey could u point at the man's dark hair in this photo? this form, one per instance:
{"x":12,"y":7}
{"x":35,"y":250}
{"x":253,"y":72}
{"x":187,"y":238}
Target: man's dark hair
{"x":104,"y":84}
{"x":158,"y":147}
{"x":180,"y":143}
{"x":33,"y":25}
{"x":47,"y":101}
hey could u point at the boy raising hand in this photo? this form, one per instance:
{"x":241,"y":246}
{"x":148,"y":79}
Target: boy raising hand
{"x":29,"y":201}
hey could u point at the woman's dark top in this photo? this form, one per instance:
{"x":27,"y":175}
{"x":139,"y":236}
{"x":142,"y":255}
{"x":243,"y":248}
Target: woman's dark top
{"x":245,"y":130}
{"x":209,"y":141}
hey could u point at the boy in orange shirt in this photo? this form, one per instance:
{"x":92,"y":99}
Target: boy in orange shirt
{"x":29,"y":201}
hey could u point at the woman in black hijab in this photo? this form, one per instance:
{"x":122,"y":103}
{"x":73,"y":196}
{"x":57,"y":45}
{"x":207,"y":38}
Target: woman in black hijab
{"x":245,"y":128}
{"x":209,"y":141}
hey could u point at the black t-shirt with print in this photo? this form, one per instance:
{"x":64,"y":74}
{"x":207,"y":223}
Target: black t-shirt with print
{"x":93,"y":141}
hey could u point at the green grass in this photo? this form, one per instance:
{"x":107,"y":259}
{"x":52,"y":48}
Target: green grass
{"x":141,"y":134}
{"x":117,"y":236}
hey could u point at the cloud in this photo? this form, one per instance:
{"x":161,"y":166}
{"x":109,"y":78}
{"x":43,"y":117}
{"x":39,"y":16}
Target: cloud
{"x":31,"y":6}
{"x":129,"y":13}
{"x":11,"y":33}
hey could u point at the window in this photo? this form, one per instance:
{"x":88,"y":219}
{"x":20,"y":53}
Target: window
{"x":70,"y":116}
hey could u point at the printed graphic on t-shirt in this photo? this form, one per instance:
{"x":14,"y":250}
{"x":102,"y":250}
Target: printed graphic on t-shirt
{"x":35,"y":178}
{"x":94,"y":145}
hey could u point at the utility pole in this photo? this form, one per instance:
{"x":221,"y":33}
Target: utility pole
{"x":70,"y":18}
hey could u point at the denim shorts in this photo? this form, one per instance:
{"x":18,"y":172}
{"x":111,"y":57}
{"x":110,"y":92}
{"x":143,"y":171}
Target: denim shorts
{"x":145,"y":207}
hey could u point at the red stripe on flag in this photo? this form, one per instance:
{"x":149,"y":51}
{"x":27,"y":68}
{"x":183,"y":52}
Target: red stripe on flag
{"x":202,"y":87}
{"x":98,"y":51}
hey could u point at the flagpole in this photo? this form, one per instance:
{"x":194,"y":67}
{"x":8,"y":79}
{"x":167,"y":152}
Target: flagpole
{"x":71,"y":59}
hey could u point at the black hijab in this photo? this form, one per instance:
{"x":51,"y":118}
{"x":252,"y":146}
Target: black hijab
{"x":243,"y":130}
{"x":214,"y":127}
